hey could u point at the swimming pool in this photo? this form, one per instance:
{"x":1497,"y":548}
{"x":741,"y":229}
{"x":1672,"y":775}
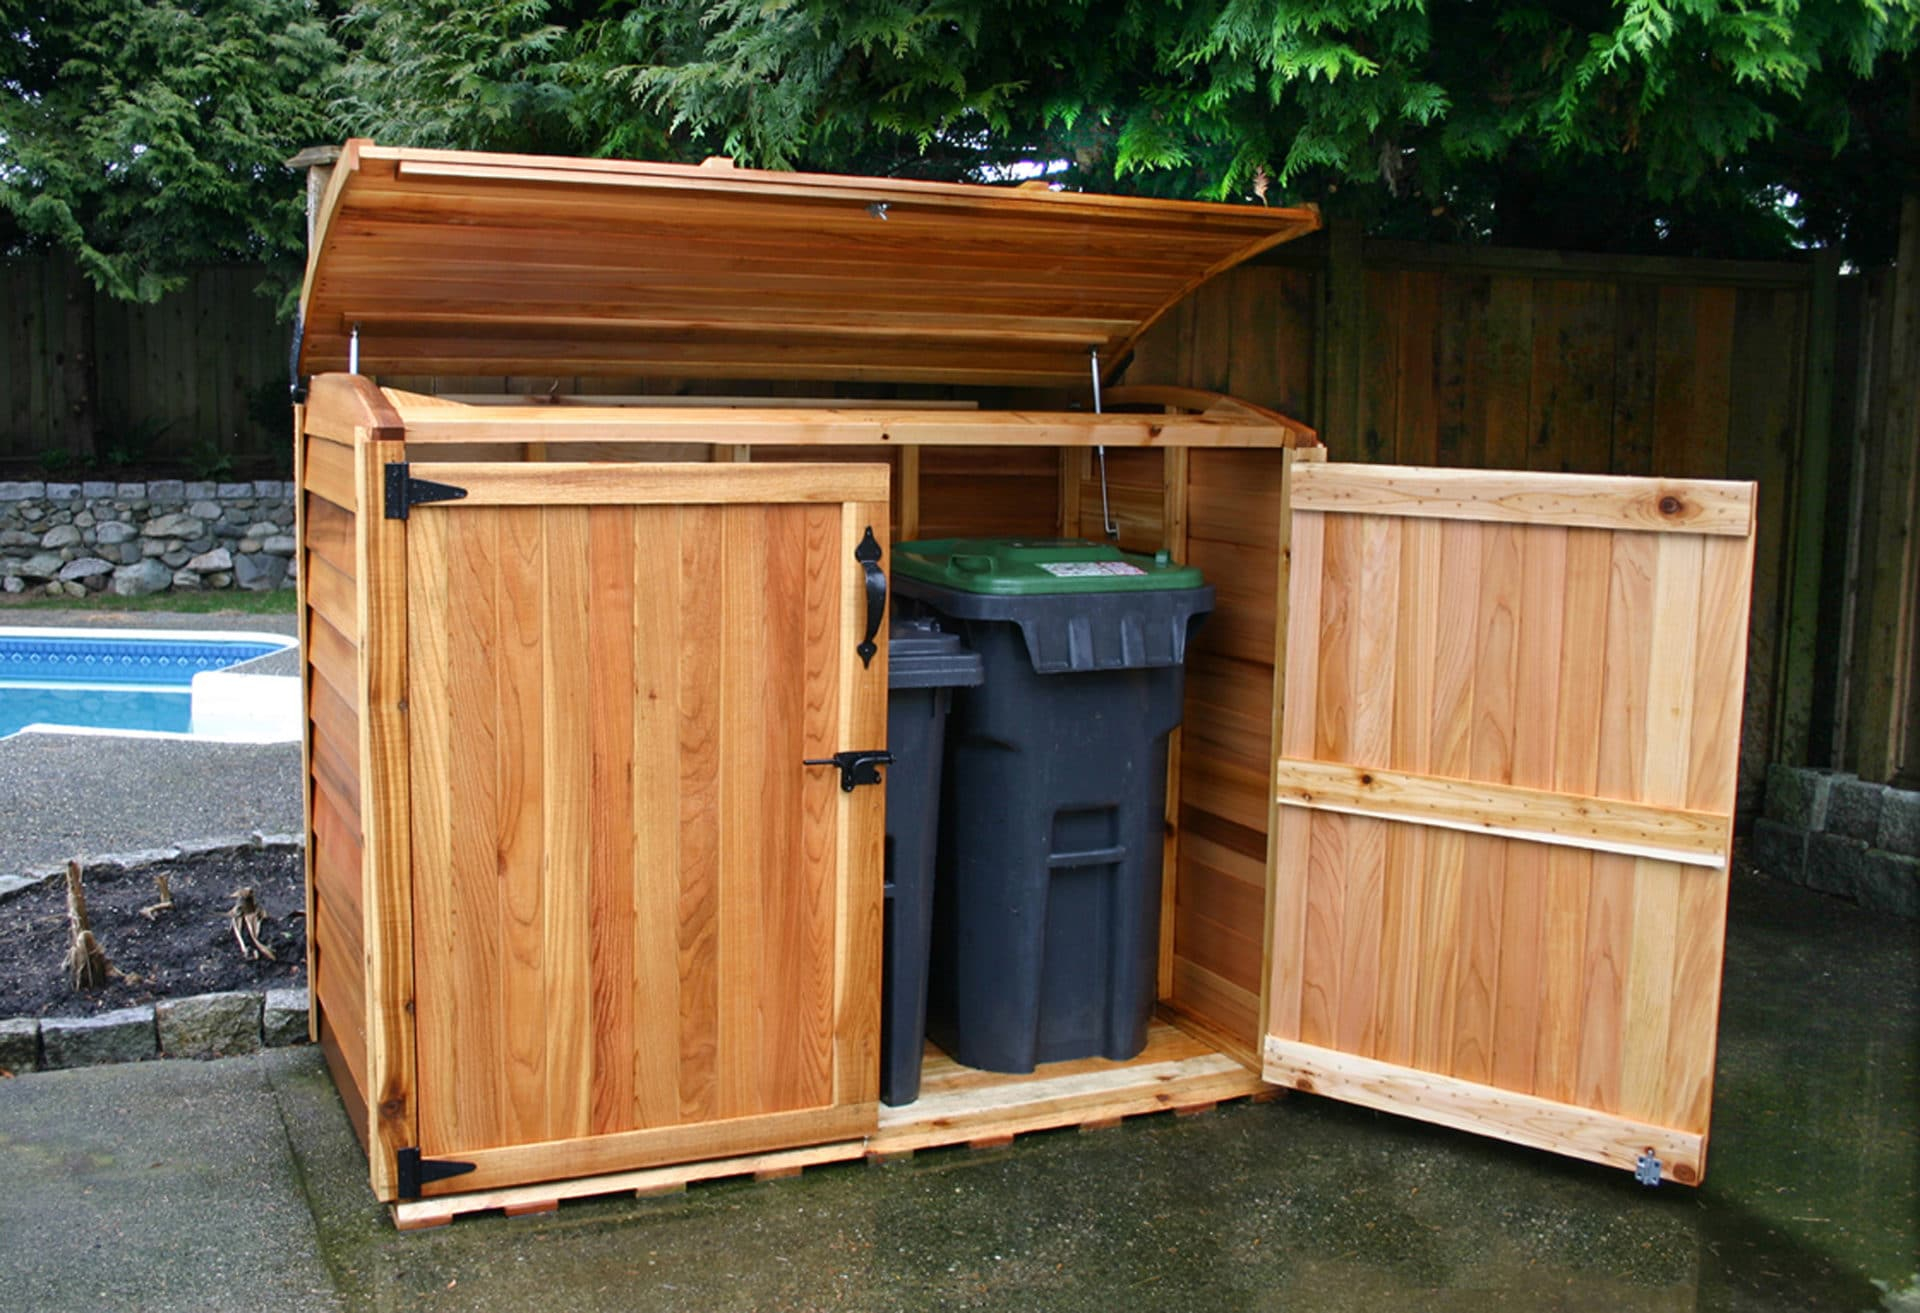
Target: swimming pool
{"x":122,"y":682}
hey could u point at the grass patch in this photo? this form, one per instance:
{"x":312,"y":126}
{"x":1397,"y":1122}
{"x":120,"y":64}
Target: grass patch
{"x":281,"y":601}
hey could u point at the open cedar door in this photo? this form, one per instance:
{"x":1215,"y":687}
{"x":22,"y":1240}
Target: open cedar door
{"x":1504,"y":802}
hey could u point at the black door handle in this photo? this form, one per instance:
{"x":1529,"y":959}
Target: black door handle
{"x":868,"y":554}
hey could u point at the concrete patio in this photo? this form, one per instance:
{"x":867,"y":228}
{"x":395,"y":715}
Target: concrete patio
{"x":237,"y":1184}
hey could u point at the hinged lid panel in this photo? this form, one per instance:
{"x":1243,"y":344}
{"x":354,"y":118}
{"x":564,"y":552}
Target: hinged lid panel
{"x":468,"y":263}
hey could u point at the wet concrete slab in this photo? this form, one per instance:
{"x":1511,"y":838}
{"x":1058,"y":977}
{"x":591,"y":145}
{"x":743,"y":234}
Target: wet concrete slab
{"x":1809,"y":1203}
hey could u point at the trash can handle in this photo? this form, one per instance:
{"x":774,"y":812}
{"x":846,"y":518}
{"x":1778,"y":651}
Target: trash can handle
{"x":868,"y":554}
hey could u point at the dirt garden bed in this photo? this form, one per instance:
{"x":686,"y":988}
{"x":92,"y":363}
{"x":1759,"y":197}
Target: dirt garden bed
{"x":185,"y":950}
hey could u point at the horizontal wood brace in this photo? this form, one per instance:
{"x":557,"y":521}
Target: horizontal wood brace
{"x":592,"y":1155}
{"x":848,"y":427}
{"x":1479,"y":807}
{"x":570,"y":483}
{"x":414,"y":1213}
{"x":1566,"y":500}
{"x":1485,"y":1109}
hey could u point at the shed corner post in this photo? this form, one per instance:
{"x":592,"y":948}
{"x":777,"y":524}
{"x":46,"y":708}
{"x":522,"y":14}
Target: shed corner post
{"x":318,"y":161}
{"x":392,"y":1109}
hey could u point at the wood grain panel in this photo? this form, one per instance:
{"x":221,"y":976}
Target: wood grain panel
{"x":329,"y":533}
{"x":641,"y":918}
{"x":329,"y":473}
{"x":1502,"y":905}
{"x":331,"y":595}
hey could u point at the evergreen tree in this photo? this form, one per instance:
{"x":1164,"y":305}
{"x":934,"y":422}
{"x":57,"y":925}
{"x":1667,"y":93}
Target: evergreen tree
{"x":144,"y":137}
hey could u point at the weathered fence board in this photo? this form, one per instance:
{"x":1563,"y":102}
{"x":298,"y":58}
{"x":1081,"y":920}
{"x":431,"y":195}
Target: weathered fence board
{"x":199,"y":374}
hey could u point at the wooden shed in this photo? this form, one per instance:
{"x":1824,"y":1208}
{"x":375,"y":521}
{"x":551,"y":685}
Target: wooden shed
{"x":1449,"y":816}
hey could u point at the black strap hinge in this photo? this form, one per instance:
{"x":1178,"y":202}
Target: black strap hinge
{"x":404,"y":492}
{"x":415,"y":1171}
{"x":856,"y":768}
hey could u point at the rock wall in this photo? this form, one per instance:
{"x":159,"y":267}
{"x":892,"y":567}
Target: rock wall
{"x":131,"y":539}
{"x":1842,"y":835}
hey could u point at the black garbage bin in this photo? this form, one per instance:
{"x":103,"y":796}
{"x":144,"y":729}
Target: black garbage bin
{"x":924,"y":665}
{"x":1047,"y":914}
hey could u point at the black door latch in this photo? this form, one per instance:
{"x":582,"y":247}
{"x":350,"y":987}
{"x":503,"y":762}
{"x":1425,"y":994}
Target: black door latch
{"x":856,"y":768}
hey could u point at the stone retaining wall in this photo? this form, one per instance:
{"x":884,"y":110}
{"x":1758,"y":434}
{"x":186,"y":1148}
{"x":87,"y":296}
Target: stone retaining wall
{"x":73,"y":539}
{"x":1839,"y":834}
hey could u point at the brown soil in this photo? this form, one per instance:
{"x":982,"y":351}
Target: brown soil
{"x":188,"y":950}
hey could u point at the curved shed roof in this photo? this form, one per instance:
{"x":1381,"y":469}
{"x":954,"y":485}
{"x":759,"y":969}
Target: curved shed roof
{"x":454,"y":262}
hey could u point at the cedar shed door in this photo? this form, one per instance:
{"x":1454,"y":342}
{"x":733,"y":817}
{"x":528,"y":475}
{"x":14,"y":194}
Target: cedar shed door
{"x":1505,"y":801}
{"x":645,"y":932}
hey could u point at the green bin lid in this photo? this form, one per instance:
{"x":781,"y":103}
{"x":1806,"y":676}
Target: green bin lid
{"x":1025,"y":567}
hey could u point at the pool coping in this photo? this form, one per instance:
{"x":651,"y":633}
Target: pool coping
{"x":254,"y":710}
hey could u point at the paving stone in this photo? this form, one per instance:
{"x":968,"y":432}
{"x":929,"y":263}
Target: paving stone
{"x":1797,"y":795}
{"x":283,"y":1021}
{"x":1836,"y":864}
{"x":1890,"y":882}
{"x":208,"y":1025}
{"x":22,"y":491}
{"x":1854,"y":809}
{"x":125,"y":1035}
{"x":1900,"y":822}
{"x":1780,"y":851}
{"x":167,"y":490}
{"x":19,"y":1044}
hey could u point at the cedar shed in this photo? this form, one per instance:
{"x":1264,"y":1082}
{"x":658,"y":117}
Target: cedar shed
{"x":1449,"y":816}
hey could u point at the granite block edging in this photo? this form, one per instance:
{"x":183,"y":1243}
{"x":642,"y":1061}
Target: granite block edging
{"x":220,"y":1025}
{"x":1836,"y":833}
{"x":194,"y":1026}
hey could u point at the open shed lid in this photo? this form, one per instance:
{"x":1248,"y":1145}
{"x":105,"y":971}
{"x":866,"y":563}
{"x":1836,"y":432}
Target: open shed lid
{"x":454,"y":262}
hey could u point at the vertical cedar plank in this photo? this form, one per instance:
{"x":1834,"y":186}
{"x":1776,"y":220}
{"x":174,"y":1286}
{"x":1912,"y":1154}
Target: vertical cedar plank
{"x":436,"y":881}
{"x":1373,"y":639}
{"x":1711,"y":769}
{"x":1570,"y":872}
{"x":1450,"y":745}
{"x":659,"y":851}
{"x":704,"y":576}
{"x":790,"y":1059}
{"x":744,"y":889}
{"x":863,"y":694}
{"x":566,"y":772}
{"x":1535,"y":720}
{"x":1656,"y":894}
{"x":1292,"y":837}
{"x":610,"y":705}
{"x":1326,"y":872}
{"x":391,"y":1066}
{"x":1496,"y":658}
{"x":1619,"y":772}
{"x":1417,"y":604}
{"x":525,"y":994}
{"x":472,"y":693}
{"x":817,"y":654}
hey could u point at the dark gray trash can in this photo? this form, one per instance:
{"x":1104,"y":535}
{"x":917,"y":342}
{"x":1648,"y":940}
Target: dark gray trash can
{"x":924,"y":665}
{"x":1047,"y":906}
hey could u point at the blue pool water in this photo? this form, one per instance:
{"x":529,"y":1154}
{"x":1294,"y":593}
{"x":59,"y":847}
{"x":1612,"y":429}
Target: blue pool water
{"x":115,"y":683}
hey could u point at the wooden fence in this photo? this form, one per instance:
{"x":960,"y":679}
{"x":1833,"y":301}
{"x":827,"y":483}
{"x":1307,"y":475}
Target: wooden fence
{"x":1403,"y":353}
{"x":198,"y":375}
{"x":1537,"y":361}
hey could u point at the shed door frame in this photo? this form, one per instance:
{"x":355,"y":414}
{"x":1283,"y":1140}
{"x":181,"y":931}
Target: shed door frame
{"x":1504,"y":794}
{"x":837,"y":700}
